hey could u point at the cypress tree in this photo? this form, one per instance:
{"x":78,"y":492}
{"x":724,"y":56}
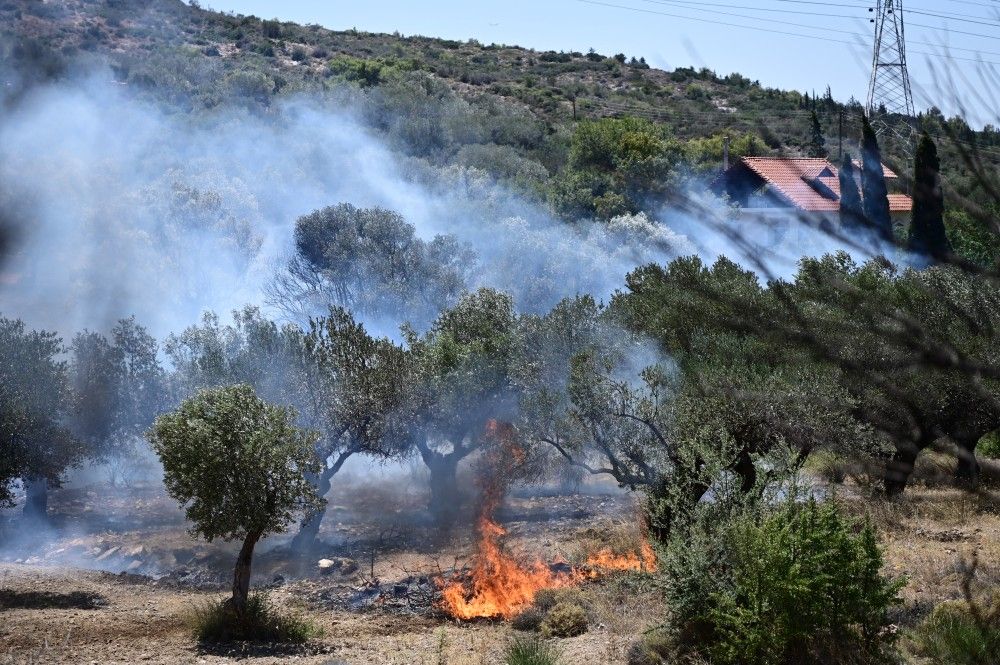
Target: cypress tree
{"x":817,"y":145}
{"x":851,"y":212}
{"x":927,"y":234}
{"x":873,"y":188}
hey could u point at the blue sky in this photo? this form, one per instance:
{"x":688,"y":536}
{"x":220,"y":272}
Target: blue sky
{"x":718,"y":34}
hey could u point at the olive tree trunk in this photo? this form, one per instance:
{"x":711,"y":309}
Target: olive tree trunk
{"x":967,"y":472}
{"x":241,"y":575}
{"x":36,"y":503}
{"x":445,"y":497}
{"x":309,"y":529}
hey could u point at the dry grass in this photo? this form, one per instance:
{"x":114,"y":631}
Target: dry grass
{"x":930,"y":536}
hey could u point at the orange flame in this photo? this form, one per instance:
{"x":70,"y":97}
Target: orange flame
{"x":643,"y":560}
{"x":500,"y":585}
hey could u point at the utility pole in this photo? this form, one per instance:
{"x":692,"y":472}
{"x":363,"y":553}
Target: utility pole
{"x":889,"y":97}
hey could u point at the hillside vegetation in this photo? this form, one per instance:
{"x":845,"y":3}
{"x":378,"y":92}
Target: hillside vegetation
{"x":534,"y":120}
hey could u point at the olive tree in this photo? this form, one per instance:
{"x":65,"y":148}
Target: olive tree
{"x":459,"y":379}
{"x":35,"y":444}
{"x":611,"y":402}
{"x":118,"y":387}
{"x":371,"y":261}
{"x":352,"y":389}
{"x":238,"y":465}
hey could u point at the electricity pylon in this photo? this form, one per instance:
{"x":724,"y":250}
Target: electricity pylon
{"x":890,"y":101}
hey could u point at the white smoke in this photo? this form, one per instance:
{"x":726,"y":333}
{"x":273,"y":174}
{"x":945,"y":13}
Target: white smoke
{"x":126,"y":209}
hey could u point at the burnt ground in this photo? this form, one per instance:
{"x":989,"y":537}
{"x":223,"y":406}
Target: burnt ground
{"x":116,"y":579}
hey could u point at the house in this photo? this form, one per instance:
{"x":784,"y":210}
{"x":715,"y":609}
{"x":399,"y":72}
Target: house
{"x":809,"y":188}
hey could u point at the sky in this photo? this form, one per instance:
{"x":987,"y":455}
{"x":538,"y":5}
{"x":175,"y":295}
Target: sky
{"x":760,"y":39}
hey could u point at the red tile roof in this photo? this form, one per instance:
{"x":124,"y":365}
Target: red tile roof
{"x":811,"y":184}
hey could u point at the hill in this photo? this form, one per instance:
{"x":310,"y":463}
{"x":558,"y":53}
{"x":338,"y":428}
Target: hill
{"x":512,"y":112}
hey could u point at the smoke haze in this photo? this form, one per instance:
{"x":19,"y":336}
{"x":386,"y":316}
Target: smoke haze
{"x":122,"y":208}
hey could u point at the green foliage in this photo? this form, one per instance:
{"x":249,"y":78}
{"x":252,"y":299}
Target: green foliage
{"x":628,"y":162}
{"x":953,"y":635}
{"x":989,"y":446}
{"x":564,"y":620}
{"x":235,"y":463}
{"x":271,"y":29}
{"x":873,"y":187}
{"x":34,"y":402}
{"x":817,"y":142}
{"x":800,"y":584}
{"x":971,"y":234}
{"x":261,"y":621}
{"x":530,"y":651}
{"x":927,"y":233}
{"x":370,"y":261}
{"x":117,"y":388}
{"x":368,"y":72}
{"x":705,"y":155}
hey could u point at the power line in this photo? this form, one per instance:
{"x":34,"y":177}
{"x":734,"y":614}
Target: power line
{"x":783,"y":32}
{"x":686,"y":4}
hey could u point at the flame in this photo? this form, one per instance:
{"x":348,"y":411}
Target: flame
{"x":499,"y":584}
{"x":644,"y":560}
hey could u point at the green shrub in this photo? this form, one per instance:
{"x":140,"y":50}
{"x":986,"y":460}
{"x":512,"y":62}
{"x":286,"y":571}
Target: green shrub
{"x":799,"y":584}
{"x":261,"y":622}
{"x":530,"y":651}
{"x":952,"y":635}
{"x":565,"y":620}
{"x":989,"y":445}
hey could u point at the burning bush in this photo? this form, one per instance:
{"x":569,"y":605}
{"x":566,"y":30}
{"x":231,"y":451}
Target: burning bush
{"x":500,"y":584}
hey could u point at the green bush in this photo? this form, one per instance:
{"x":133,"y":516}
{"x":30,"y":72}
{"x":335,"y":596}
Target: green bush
{"x":800,"y":584}
{"x":261,"y":622}
{"x":989,"y":446}
{"x":952,"y":635}
{"x":530,"y":651}
{"x":565,"y":620}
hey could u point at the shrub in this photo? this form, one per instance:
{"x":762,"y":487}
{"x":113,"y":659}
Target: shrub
{"x":530,"y":619}
{"x":829,"y":466}
{"x":565,"y":620}
{"x":952,"y":635}
{"x":260,"y":622}
{"x":799,"y":584}
{"x":530,"y":651}
{"x":989,"y":446}
{"x":653,"y":649}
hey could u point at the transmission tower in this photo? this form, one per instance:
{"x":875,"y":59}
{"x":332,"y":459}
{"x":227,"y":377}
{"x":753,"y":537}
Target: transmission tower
{"x":889,"y":93}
